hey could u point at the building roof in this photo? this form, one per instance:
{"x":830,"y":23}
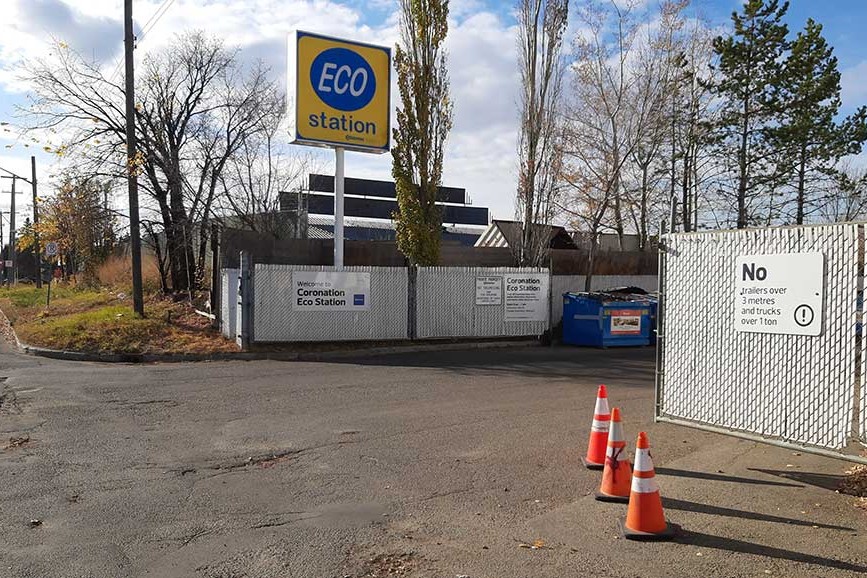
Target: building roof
{"x":501,"y":233}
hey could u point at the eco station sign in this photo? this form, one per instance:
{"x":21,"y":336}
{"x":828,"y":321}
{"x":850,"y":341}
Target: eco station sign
{"x":339,"y":96}
{"x":342,"y":93}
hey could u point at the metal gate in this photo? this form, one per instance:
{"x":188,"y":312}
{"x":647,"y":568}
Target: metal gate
{"x":795,"y":390}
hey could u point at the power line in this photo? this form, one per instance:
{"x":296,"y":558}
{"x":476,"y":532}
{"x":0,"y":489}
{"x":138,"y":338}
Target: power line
{"x":160,"y":12}
{"x":148,"y":26}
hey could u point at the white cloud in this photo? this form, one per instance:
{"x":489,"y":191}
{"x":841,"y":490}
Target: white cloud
{"x":482,"y":56}
{"x":853,"y":81}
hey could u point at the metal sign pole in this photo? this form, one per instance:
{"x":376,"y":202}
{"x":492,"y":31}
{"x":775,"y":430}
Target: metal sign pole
{"x":338,"y":208}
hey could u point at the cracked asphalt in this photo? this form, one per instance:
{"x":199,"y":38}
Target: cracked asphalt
{"x":422,"y":465}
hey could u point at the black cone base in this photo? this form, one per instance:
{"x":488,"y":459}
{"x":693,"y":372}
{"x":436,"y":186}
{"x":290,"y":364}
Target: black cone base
{"x":670,"y":532}
{"x":591,"y":465}
{"x":606,"y":498}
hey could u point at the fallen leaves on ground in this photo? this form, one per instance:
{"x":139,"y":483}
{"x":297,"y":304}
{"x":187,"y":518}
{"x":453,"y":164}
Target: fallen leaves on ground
{"x":100,"y":320}
{"x":534,"y":545}
{"x":16,"y":442}
{"x":855,"y":484}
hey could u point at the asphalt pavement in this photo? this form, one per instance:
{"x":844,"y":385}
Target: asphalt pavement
{"x":435,"y":464}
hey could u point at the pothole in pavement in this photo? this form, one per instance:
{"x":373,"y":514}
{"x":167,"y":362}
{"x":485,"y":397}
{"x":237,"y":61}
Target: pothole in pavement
{"x":385,"y":565}
{"x":8,"y":399}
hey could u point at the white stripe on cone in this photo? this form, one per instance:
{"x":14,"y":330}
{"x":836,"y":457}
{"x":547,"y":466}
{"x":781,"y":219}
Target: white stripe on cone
{"x":616,"y":435}
{"x":644,"y":485}
{"x":600,"y":425}
{"x":643,"y":461}
{"x":602,"y":406}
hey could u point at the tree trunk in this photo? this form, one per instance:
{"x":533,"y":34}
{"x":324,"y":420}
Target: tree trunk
{"x":742,"y":166}
{"x":802,"y":177}
{"x":642,"y":221}
{"x":588,"y":279}
{"x":686,"y":208}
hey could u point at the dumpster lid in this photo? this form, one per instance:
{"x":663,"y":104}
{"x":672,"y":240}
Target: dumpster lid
{"x":605,"y":297}
{"x":629,"y":290}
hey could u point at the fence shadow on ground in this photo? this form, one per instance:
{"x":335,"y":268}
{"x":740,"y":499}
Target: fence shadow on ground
{"x":624,"y":366}
{"x":826,"y":481}
{"x":686,"y":506}
{"x":722,"y":478}
{"x":744,"y":547}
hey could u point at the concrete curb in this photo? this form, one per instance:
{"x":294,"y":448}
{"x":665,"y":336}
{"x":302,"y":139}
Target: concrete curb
{"x":266,"y":355}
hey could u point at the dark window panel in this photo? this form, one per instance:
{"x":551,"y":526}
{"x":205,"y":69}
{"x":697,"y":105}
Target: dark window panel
{"x":321,"y":204}
{"x":383,"y":189}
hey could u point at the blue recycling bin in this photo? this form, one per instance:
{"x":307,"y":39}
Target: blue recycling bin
{"x":602,"y":320}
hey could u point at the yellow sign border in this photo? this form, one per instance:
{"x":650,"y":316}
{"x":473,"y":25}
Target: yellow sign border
{"x":299,"y":115}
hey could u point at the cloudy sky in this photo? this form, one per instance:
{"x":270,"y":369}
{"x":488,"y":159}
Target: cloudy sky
{"x":481,"y":43}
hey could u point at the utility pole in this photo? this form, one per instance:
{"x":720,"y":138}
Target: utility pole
{"x":11,"y":277}
{"x":14,"y":278}
{"x":38,"y":249}
{"x":132,"y":169}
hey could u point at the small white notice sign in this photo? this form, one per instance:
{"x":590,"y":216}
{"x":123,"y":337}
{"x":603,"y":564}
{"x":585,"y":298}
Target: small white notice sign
{"x":526,"y":297}
{"x":489,"y":290}
{"x":781,"y":293}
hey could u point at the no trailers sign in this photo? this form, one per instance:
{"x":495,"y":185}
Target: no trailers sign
{"x":780,"y":293}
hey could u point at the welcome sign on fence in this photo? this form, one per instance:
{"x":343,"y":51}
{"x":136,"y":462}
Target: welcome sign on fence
{"x":780,"y":293}
{"x":330,"y":291}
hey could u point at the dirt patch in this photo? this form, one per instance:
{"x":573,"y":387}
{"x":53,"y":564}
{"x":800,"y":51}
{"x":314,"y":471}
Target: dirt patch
{"x":385,"y":565}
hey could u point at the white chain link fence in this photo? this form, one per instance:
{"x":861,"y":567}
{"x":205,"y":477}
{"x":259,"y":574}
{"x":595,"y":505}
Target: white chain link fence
{"x":788,"y":389}
{"x":275,"y":319}
{"x":446,"y":302}
{"x":229,"y":302}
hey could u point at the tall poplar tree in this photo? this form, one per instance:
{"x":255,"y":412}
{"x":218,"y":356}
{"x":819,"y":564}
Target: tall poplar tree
{"x":750,"y":75}
{"x":423,"y":123}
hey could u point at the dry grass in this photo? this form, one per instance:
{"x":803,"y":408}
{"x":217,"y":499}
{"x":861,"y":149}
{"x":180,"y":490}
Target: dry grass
{"x":116,"y":273}
{"x":103,"y":321}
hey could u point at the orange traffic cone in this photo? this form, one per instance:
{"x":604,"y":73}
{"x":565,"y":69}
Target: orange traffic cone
{"x":645,"y":519}
{"x":617,"y":475}
{"x":595,"y":458}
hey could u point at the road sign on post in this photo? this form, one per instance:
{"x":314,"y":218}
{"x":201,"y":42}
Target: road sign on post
{"x":339,"y":97}
{"x":50,"y":249}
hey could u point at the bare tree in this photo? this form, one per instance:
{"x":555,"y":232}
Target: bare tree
{"x":196,"y":108}
{"x":542,"y":24}
{"x":605,"y":123}
{"x":255,"y":177}
{"x":847,"y":198}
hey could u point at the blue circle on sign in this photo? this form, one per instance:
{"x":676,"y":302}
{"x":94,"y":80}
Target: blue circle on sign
{"x":342,"y":79}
